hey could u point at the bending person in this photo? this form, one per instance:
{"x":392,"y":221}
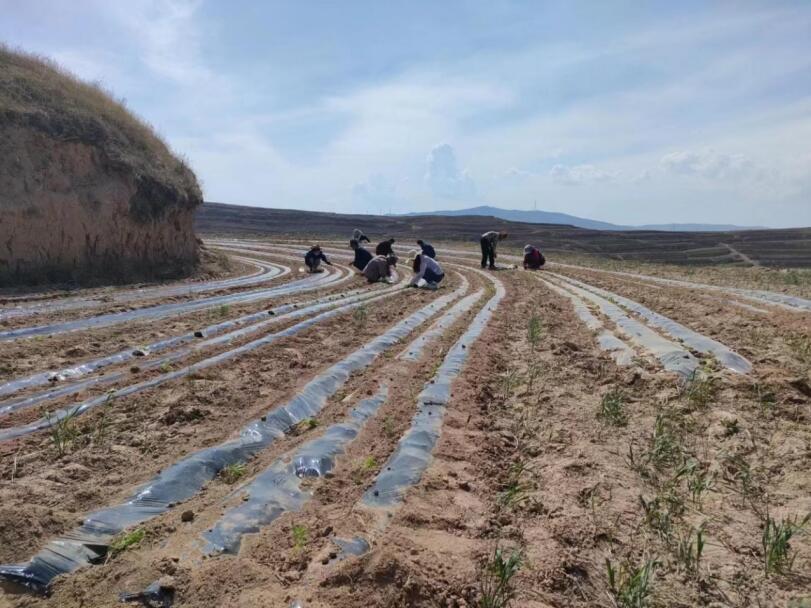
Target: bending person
{"x":385,"y":248}
{"x":357,"y":235}
{"x":313,"y":259}
{"x":380,"y":268}
{"x":489,"y":241}
{"x":427,"y":249}
{"x":362,"y":255}
{"x":533,"y":258}
{"x":427,"y":272}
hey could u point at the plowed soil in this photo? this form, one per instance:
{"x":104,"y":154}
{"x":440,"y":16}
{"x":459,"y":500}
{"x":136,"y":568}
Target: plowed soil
{"x":549,"y":454}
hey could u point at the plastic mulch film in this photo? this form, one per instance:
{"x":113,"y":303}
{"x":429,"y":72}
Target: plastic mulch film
{"x":171,"y":309}
{"x":672,"y":356}
{"x":278,"y":488}
{"x":255,"y":322}
{"x":726,"y":356}
{"x":414,"y":451}
{"x":267,"y":272}
{"x":88,"y":543}
{"x":619,"y":350}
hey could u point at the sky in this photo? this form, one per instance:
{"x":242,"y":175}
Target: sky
{"x":627,"y":112}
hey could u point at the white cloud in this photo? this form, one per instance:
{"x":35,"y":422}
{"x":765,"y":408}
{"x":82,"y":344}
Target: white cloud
{"x":709,"y":164}
{"x":444,"y":177}
{"x":573,"y":175}
{"x":378,"y":193}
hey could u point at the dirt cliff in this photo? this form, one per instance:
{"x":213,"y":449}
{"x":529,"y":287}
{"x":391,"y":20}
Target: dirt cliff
{"x":88,"y":192}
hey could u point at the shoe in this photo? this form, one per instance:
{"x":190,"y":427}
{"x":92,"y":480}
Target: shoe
{"x":492,"y":267}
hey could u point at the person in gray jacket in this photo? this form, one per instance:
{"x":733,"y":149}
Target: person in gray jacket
{"x":380,"y":268}
{"x":489,"y":241}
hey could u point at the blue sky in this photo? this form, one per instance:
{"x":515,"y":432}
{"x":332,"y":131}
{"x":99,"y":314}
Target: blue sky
{"x":627,"y":112}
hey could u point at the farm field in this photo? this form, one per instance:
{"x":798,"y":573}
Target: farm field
{"x":604,"y":432}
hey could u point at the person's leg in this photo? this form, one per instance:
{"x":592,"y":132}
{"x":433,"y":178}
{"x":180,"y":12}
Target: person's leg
{"x":491,"y":257}
{"x":485,"y":246}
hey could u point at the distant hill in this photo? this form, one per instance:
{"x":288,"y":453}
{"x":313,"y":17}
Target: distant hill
{"x":551,"y":217}
{"x":784,"y":247}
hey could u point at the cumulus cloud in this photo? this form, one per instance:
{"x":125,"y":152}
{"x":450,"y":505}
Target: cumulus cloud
{"x":444,"y":177}
{"x":709,"y":164}
{"x":573,"y":175}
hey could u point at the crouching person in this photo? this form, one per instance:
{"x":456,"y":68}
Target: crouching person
{"x":313,"y":259}
{"x":427,"y":272}
{"x":381,"y":268}
{"x":533,"y":258}
{"x":362,"y":255}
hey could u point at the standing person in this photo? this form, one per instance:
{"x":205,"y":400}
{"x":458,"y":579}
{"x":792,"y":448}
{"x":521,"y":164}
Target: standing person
{"x":385,"y":248}
{"x":357,"y":235}
{"x":427,"y":249}
{"x":427,"y":272}
{"x":380,"y":268}
{"x":489,"y":241}
{"x":313,"y":259}
{"x":362,"y":256}
{"x":533,"y":258}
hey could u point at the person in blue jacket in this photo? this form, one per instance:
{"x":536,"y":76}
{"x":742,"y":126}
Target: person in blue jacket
{"x":313,"y":259}
{"x":427,"y":249}
{"x":362,"y":255}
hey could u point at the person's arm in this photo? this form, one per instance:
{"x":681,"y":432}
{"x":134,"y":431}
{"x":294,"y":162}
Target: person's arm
{"x":363,"y":237}
{"x":324,"y":257}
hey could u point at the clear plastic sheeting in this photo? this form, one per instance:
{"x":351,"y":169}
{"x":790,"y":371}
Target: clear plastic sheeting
{"x":783,"y":300}
{"x":672,"y":356}
{"x":414,"y":451}
{"x":88,"y":543}
{"x":162,"y":311}
{"x":278,"y":488}
{"x":261,"y":321}
{"x":267,"y":271}
{"x":413,"y":351}
{"x":80,"y":408}
{"x":727,"y":357}
{"x":618,"y":350}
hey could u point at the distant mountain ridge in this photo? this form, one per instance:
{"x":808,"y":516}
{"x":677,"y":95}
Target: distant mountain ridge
{"x":552,"y":217}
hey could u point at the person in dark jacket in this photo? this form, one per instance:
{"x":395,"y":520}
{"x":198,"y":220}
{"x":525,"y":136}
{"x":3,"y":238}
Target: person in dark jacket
{"x":358,"y":235}
{"x":427,"y":249}
{"x":385,"y":248}
{"x":362,"y":256}
{"x":489,"y":241}
{"x":533,"y":258}
{"x":380,"y":269}
{"x":313,"y":259}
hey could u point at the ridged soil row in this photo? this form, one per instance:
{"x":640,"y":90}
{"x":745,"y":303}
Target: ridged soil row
{"x":157,"y":427}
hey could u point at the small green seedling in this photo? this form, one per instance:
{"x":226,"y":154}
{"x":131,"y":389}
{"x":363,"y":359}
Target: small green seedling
{"x":369,"y":463}
{"x":63,"y":430}
{"x":534,"y":331}
{"x":496,"y":586}
{"x":689,"y":550}
{"x":777,"y":555}
{"x":612,"y":408}
{"x":234,"y":472}
{"x":126,"y":541}
{"x":300,"y":535}
{"x":701,"y":388}
{"x":630,"y":586}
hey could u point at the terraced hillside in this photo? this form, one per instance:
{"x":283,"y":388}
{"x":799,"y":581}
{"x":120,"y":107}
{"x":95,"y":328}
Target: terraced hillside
{"x":783,"y":248}
{"x":578,"y":436}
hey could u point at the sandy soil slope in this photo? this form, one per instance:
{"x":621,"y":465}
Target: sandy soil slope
{"x":550,"y":452}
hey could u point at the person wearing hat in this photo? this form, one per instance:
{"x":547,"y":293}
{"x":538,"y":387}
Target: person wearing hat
{"x":313,"y":259}
{"x":357,"y":235}
{"x":427,"y":271}
{"x":489,"y":241}
{"x":533,"y":258}
{"x":427,"y":249}
{"x":385,"y":248}
{"x":380,"y":268}
{"x":362,"y":255}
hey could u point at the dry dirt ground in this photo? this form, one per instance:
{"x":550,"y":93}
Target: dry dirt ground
{"x":559,"y":477}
